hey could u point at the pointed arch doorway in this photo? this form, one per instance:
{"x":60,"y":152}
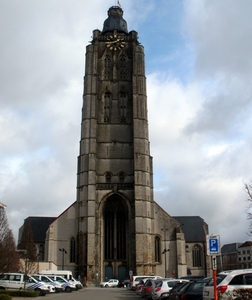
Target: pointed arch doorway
{"x":115,"y":237}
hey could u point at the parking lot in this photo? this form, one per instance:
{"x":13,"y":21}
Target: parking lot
{"x":90,"y":293}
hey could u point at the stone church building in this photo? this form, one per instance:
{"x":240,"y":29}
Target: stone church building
{"x":115,"y":228}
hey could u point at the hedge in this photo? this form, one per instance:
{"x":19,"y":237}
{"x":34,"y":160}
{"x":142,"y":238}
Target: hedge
{"x":17,"y":293}
{"x":238,"y":294}
{"x":5,"y":297}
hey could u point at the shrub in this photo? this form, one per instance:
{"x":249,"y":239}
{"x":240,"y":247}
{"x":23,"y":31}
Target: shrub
{"x":238,"y":294}
{"x":5,"y":297}
{"x":243,"y":294}
{"x":18,"y":293}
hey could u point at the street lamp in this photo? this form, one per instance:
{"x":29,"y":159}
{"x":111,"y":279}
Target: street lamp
{"x":165,"y":249}
{"x":63,"y":252}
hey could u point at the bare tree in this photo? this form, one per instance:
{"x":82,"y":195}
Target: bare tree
{"x":248,"y":189}
{"x":28,"y":250}
{"x":9,"y":261}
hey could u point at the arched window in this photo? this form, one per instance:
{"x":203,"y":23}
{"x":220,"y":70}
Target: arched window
{"x":121,"y":176}
{"x":108,"y":177}
{"x":115,"y":229}
{"x":157,"y":249}
{"x":72,"y":250}
{"x":197,"y":256}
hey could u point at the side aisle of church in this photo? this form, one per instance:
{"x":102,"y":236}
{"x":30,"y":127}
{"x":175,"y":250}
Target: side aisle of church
{"x":115,"y":228}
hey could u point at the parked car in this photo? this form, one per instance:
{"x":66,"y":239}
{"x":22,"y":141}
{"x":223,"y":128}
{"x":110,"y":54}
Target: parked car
{"x":192,"y":290}
{"x":66,"y":285}
{"x":109,"y":283}
{"x":19,"y":281}
{"x":136,"y":279}
{"x":228,"y":282}
{"x":148,"y":287}
{"x":124,"y":283}
{"x":65,"y":274}
{"x":164,"y":286}
{"x":140,"y":285}
{"x":44,"y":278}
{"x":192,"y":277}
{"x":166,"y":295}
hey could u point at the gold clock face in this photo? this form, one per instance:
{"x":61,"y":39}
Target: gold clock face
{"x":115,"y":42}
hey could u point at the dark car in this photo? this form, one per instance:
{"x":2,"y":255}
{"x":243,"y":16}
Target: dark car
{"x":166,"y":295}
{"x":148,"y":287}
{"x":123,"y":283}
{"x":192,"y":277}
{"x":192,"y":290}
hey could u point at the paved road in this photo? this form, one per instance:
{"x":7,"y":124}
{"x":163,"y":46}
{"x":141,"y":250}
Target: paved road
{"x":89,"y":293}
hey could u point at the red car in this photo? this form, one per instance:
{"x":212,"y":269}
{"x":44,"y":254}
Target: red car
{"x":148,"y":287}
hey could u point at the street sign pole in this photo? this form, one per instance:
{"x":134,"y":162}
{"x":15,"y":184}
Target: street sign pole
{"x":214,"y":266}
{"x":213,"y":249}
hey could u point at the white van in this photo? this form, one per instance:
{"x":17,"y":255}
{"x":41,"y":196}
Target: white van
{"x":135,"y":280}
{"x":65,"y":274}
{"x":47,"y":280}
{"x":20,"y":281}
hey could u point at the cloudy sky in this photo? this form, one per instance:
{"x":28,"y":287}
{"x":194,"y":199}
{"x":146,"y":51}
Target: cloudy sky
{"x":199,"y":72}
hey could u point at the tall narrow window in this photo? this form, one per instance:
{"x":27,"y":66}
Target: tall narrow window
{"x":107,"y":67}
{"x":196,"y":256}
{"x":157,"y":249}
{"x":122,"y":67}
{"x":72,"y":250}
{"x":123,"y":106}
{"x":107,"y":107}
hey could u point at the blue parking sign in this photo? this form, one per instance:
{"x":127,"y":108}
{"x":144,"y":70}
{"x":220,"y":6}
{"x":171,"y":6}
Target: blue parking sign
{"x":213,"y":244}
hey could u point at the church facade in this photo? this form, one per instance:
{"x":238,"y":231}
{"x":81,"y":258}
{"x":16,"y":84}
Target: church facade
{"x":115,"y":228}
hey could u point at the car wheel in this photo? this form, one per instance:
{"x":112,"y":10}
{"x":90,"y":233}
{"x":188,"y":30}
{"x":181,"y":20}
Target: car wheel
{"x":68,"y":289}
{"x":40,"y":292}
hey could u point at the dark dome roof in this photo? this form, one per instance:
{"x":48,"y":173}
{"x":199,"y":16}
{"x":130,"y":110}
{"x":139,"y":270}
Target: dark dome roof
{"x":115,"y":21}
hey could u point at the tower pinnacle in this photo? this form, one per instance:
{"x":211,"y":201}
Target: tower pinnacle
{"x":115,"y":21}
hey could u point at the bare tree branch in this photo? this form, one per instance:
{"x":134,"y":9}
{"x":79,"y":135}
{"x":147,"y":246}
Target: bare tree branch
{"x":9,"y":261}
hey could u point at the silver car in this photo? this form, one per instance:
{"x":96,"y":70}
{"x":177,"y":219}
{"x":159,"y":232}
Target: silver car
{"x":164,"y":286}
{"x":228,"y":282}
{"x":110,"y":283}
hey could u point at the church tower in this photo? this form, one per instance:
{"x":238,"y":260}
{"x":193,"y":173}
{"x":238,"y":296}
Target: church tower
{"x":115,"y":180}
{"x":115,"y":229}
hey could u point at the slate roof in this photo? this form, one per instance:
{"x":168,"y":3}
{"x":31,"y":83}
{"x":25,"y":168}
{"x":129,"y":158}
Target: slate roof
{"x":193,"y":228}
{"x":246,"y":244}
{"x":230,"y":248}
{"x":39,"y":227}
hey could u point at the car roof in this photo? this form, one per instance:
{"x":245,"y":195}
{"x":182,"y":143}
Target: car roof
{"x":238,"y":271}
